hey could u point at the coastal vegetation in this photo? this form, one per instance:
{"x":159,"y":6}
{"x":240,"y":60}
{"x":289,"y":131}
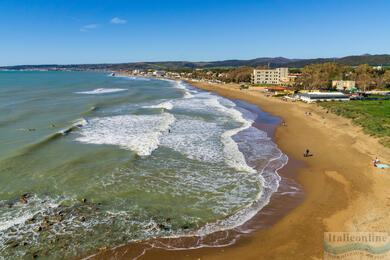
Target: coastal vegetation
{"x":372,"y":115}
{"x":320,"y":76}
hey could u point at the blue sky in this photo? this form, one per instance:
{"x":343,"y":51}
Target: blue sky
{"x":83,"y":31}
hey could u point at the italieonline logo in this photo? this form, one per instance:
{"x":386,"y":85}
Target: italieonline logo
{"x":356,"y":245}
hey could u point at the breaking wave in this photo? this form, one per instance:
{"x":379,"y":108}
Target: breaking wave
{"x":101,"y":91}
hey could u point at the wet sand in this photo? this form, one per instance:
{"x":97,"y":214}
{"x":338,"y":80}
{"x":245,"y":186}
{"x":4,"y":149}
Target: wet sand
{"x":343,"y":191}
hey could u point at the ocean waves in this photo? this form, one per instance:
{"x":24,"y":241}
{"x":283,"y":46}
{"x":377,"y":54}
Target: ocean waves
{"x":139,"y":133}
{"x":101,"y":91}
{"x":159,"y":160}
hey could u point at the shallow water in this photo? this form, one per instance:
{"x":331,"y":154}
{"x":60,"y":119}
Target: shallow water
{"x":153,"y":158}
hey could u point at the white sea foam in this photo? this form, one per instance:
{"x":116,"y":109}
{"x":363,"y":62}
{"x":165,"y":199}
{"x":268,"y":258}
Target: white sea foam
{"x":20,"y":212}
{"x":195,"y":138}
{"x":233,"y":156}
{"x":101,"y":91}
{"x":166,"y":105}
{"x":139,"y":133}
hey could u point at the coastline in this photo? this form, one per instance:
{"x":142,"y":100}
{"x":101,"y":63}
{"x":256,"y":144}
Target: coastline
{"x":343,"y":191}
{"x":283,"y":200}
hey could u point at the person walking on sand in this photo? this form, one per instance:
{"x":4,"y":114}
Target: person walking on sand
{"x":376,"y":161}
{"x":307,"y":153}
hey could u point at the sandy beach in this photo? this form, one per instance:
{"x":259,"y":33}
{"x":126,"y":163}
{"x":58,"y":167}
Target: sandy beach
{"x":343,"y":191}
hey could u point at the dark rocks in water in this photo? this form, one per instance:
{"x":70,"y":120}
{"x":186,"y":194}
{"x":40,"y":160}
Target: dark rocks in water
{"x":81,"y":219}
{"x":58,"y":218}
{"x":9,"y":205}
{"x":38,"y":228}
{"x":12,"y":243}
{"x":87,"y":213}
{"x":26,"y":195}
{"x":15,"y":244}
{"x":83,"y":200}
{"x":46,"y":223}
{"x":24,"y":243}
{"x":30,"y":220}
{"x":161,"y":226}
{"x":11,"y":230}
{"x":185,"y":227}
{"x":24,"y":198}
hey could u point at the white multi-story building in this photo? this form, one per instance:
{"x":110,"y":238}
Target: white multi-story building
{"x":269,"y":76}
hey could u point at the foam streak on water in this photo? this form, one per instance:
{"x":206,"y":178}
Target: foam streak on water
{"x":101,"y":91}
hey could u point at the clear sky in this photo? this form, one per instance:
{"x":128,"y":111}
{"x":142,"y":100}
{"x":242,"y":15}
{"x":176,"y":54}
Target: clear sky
{"x":86,"y":31}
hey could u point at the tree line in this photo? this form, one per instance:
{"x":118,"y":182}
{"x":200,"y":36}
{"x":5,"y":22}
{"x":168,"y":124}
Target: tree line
{"x":314,"y":76}
{"x":320,"y":76}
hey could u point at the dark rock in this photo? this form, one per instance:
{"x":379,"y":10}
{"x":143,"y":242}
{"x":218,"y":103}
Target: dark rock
{"x":15,"y":244}
{"x":161,"y":226}
{"x":23,"y":200}
{"x":38,"y":228}
{"x":9,"y":205}
{"x":83,"y":200}
{"x":81,"y":219}
{"x":46,"y":223}
{"x":26,"y":195}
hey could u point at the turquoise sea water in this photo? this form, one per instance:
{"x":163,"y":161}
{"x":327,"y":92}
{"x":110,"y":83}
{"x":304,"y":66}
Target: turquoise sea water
{"x":153,"y":158}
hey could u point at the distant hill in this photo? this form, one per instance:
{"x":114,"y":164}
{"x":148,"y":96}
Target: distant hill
{"x":272,"y":62}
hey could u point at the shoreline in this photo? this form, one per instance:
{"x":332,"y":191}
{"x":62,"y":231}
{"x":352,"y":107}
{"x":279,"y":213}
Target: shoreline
{"x":287,"y":197}
{"x":344,"y":192}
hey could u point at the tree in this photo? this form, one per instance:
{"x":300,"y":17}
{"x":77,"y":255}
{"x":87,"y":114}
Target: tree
{"x":385,"y":80}
{"x":363,"y":76}
{"x":319,"y":76}
{"x":241,"y":74}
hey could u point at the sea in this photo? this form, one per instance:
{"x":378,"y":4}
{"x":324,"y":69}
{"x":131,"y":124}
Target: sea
{"x":89,"y":161}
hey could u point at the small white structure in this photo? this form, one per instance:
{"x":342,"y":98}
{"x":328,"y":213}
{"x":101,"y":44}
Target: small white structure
{"x":323,"y":96}
{"x":159,"y":73}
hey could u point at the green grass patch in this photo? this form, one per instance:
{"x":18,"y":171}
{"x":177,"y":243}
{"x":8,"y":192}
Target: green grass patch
{"x":373,"y":116}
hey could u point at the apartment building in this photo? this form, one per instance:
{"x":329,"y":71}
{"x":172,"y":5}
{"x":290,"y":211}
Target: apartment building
{"x":269,"y":76}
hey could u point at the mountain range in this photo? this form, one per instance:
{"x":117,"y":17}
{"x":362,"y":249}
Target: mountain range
{"x":374,"y":60}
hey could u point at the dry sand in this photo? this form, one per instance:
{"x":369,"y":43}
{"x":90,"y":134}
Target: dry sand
{"x":344,"y":192}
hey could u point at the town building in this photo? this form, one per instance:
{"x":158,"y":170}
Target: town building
{"x":159,"y":73}
{"x":269,"y":76}
{"x":291,"y":78}
{"x":344,"y":84}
